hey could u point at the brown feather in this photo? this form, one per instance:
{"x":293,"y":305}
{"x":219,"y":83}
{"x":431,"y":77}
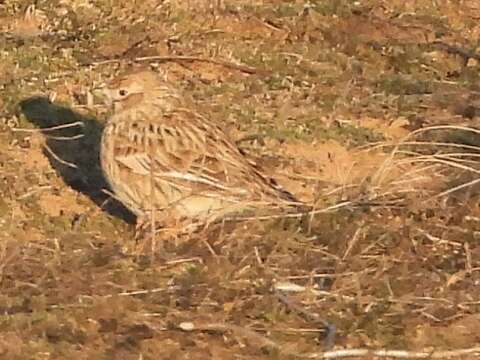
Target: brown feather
{"x":197,"y":171}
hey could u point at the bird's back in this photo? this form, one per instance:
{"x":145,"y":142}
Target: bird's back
{"x":180,"y":161}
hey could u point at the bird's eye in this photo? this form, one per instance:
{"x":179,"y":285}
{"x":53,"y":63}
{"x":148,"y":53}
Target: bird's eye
{"x":122,"y":92}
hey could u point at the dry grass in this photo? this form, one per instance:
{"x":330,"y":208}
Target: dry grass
{"x":368,"y":110}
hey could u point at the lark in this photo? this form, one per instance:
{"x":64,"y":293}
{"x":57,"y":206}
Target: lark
{"x":161,"y":156}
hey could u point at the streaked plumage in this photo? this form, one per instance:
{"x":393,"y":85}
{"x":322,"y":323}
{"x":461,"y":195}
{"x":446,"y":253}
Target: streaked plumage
{"x":157,"y":153}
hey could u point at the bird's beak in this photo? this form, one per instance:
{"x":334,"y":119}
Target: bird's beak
{"x":104,"y":94}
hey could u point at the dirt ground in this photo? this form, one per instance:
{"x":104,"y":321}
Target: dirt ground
{"x":367,"y":110}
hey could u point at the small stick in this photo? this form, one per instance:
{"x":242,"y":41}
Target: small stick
{"x":52,"y":128}
{"x":293,"y":215}
{"x":465,"y":54}
{"x":66,"y":138}
{"x":240,"y":67}
{"x":333,"y":354}
{"x":330,"y":329}
{"x":223,"y":327}
{"x":300,"y":310}
{"x":353,"y":241}
{"x":60,"y":160}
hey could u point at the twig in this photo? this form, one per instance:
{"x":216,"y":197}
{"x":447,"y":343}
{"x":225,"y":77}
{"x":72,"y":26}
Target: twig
{"x":436,"y":144}
{"x":252,"y":137}
{"x":240,"y":67}
{"x":455,"y":50}
{"x":142,"y":292}
{"x":321,"y":276}
{"x":468,"y":258}
{"x":438,"y":240}
{"x":60,"y":160}
{"x":34,"y":191}
{"x":353,"y":241}
{"x":223,"y":327}
{"x":295,"y":288}
{"x":66,"y":138}
{"x":293,"y":215}
{"x":330,"y":329}
{"x":455,"y":188}
{"x":186,"y":260}
{"x":227,"y":64}
{"x":399,"y":354}
{"x":309,"y":316}
{"x":333,"y":354}
{"x":52,"y":128}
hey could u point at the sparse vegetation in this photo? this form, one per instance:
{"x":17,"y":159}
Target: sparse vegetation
{"x":332,"y":94}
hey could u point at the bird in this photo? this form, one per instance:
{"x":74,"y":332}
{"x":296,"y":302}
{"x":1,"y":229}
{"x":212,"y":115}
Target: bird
{"x":161,"y":155}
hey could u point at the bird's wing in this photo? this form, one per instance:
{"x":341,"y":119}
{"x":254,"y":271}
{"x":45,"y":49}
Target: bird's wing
{"x":192,"y":155}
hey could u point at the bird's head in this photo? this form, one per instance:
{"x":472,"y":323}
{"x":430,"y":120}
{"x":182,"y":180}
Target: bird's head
{"x":143,"y":87}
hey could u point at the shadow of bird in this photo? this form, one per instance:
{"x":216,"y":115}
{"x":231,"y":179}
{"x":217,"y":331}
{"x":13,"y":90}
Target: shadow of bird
{"x":72,"y":147}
